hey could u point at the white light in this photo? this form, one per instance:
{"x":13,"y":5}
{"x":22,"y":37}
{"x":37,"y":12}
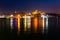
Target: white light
{"x":28,"y":23}
{"x":2,"y":16}
{"x":29,"y":20}
{"x":11,"y":15}
{"x":47,"y":24}
{"x":43,"y":23}
{"x":11,"y":23}
{"x":26,"y":16}
{"x":45,"y":16}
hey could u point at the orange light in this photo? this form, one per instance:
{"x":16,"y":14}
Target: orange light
{"x":35,"y":24}
{"x":35,"y":12}
{"x":18,"y":23}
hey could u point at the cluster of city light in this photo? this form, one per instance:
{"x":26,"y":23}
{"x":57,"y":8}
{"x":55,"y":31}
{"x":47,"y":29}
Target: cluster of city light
{"x":2,"y":16}
{"x":45,"y":16}
{"x":27,"y":20}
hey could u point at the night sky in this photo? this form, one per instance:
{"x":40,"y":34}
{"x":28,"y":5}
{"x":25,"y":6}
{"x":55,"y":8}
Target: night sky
{"x":50,"y":6}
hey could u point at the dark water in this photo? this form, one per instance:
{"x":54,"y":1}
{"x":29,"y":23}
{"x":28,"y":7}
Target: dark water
{"x":21,"y":36}
{"x":53,"y":32}
{"x":54,"y":28}
{"x":7,"y":34}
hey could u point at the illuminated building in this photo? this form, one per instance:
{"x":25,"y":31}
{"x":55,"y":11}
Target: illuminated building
{"x":28,"y":23}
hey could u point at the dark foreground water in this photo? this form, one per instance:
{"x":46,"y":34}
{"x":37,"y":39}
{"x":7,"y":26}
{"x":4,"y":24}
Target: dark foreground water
{"x":52,"y":34}
{"x":21,"y":36}
{"x":29,"y":36}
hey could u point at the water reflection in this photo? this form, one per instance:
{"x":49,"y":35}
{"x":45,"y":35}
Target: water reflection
{"x":22,"y":26}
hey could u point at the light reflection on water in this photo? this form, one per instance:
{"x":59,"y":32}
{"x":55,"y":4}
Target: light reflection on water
{"x":15,"y":26}
{"x":32,"y":26}
{"x":25,"y":24}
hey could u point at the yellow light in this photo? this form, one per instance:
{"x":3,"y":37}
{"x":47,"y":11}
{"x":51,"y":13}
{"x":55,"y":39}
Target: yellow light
{"x":19,"y":23}
{"x":25,"y":23}
{"x":35,"y":24}
{"x":42,"y":13}
{"x":35,"y":12}
{"x":43,"y":18}
{"x":7,"y":17}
